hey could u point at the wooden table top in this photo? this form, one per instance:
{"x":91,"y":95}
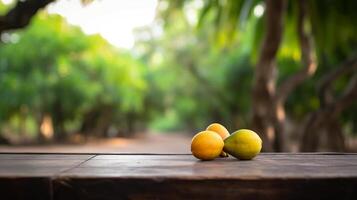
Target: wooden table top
{"x":157,"y":176}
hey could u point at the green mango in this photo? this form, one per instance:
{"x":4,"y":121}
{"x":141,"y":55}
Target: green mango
{"x":243,"y":144}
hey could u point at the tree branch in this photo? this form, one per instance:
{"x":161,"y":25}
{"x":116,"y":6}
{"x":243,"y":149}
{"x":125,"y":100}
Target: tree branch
{"x":331,"y":109}
{"x":348,"y":97}
{"x":273,"y":36}
{"x":21,"y":14}
{"x":324,"y":87}
{"x":215,"y":92}
{"x":308,"y":57}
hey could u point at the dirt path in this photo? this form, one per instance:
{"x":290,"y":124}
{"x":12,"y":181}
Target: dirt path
{"x":148,"y":143}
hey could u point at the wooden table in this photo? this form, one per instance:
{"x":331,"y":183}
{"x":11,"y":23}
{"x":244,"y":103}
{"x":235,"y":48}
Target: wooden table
{"x":159,"y":176}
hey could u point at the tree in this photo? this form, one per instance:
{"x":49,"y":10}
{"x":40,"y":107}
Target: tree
{"x":73,"y":81}
{"x":269,"y":97}
{"x":340,"y":44}
{"x":269,"y":100}
{"x":195,"y":79}
{"x":326,"y":118}
{"x":264,"y":89}
{"x":21,"y":14}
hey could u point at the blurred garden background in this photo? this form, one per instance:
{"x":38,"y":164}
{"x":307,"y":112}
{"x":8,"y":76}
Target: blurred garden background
{"x":145,"y":76}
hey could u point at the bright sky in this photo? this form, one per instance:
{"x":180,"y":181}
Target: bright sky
{"x":115,"y":20}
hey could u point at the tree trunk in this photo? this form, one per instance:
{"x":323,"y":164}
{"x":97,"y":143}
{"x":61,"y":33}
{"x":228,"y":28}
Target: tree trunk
{"x":97,"y":121}
{"x":58,"y":122}
{"x":309,"y":65}
{"x":323,"y":121}
{"x":103,"y":122}
{"x":326,"y":118}
{"x":265,"y":73}
{"x":130,"y":120}
{"x":3,"y":140}
{"x":335,"y":137}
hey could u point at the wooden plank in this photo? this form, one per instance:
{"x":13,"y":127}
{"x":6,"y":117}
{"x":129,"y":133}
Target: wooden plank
{"x":29,"y":176}
{"x":24,"y":156}
{"x":269,"y":176}
{"x":125,"y":176}
{"x":186,"y":166}
{"x":143,"y":188}
{"x":26,"y":165}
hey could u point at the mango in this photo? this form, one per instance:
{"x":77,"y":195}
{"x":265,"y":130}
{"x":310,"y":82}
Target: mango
{"x":222,"y":131}
{"x":243,"y":144}
{"x":206,"y":145}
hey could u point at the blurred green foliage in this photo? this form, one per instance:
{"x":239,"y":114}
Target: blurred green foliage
{"x":215,"y":48}
{"x":52,"y":68}
{"x":190,"y":69}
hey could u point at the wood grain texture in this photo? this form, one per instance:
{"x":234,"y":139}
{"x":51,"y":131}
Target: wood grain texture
{"x":27,"y":165}
{"x":126,"y":176}
{"x":186,"y":166}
